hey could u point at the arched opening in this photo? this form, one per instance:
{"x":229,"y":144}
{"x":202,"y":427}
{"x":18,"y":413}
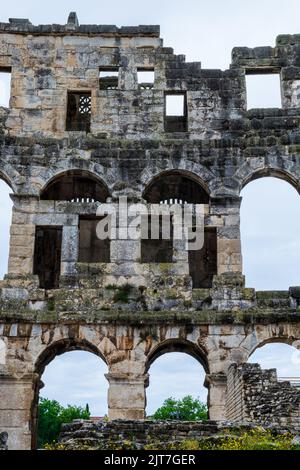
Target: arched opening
{"x":73,"y":374}
{"x":79,"y":187}
{"x":5,"y":222}
{"x":282,"y":356}
{"x":270,"y":225}
{"x":176,"y":369}
{"x":75,"y":186}
{"x":180,"y":187}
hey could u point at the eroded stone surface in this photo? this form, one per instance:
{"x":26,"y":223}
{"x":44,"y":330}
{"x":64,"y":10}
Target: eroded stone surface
{"x":124,"y":310}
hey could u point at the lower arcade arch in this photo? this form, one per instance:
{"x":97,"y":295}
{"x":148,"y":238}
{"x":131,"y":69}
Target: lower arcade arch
{"x":282,"y":354}
{"x":72,"y":373}
{"x":171,"y":367}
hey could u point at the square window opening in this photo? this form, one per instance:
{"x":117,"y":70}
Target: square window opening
{"x":79,"y":112}
{"x":175,"y":105}
{"x":5,"y":83}
{"x":176,"y":112}
{"x":109,"y":78}
{"x":263,"y":90}
{"x":146,"y":78}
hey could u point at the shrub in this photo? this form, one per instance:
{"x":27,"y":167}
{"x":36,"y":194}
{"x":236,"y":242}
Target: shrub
{"x":187,"y":409}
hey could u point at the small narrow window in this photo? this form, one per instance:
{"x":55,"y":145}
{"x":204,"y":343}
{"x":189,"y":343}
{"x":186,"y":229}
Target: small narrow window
{"x":175,"y":112}
{"x":109,"y":78}
{"x":79,"y":111}
{"x":5,"y":78}
{"x":263,"y":90}
{"x":145,"y":78}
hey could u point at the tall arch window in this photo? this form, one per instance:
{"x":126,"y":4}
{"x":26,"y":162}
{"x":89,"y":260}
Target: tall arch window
{"x":175,"y":187}
{"x":5,"y":221}
{"x":80,"y":189}
{"x":270,"y":226}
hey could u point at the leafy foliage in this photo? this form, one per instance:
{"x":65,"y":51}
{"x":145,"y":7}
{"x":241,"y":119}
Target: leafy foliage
{"x":52,"y":415}
{"x":187,"y":409}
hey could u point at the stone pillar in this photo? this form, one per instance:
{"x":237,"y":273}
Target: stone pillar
{"x":127,"y":396}
{"x":225,"y":214}
{"x":69,"y":248}
{"x":216,"y":384}
{"x":17,"y":397}
{"x":22,"y":236}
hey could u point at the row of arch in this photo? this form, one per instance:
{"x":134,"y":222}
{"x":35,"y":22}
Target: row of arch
{"x":198,"y":352}
{"x":196,"y":192}
{"x":205,"y":182}
{"x":167,"y":350}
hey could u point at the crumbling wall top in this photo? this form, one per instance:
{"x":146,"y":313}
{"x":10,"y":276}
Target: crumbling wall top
{"x":24,"y":26}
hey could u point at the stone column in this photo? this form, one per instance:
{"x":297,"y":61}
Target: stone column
{"x":216,"y":384}
{"x":17,"y":397}
{"x":127,"y":396}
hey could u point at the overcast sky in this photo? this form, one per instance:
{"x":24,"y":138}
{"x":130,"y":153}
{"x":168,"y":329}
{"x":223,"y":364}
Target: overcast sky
{"x":203,"y":31}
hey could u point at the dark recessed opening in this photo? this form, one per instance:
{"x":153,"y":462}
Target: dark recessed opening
{"x":203,"y":263}
{"x":79,"y":111}
{"x":156,"y":250}
{"x":75,"y":186}
{"x":47,"y":256}
{"x":174,"y":187}
{"x":91,"y":248}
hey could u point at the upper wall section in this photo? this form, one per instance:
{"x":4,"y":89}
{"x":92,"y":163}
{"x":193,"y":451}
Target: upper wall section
{"x":56,"y":87}
{"x":284,"y":58}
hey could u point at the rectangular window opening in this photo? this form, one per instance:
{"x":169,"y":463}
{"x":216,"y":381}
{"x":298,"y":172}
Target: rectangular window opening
{"x":91,"y":248}
{"x":79,"y":111}
{"x":146,"y":78}
{"x":203,"y":263}
{"x":5,"y":83}
{"x":109,"y":78}
{"x":156,"y":250}
{"x":263,"y":90}
{"x":176,"y":112}
{"x":47,"y":256}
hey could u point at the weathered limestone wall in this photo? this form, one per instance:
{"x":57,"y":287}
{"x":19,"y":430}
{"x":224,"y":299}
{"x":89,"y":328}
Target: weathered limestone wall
{"x":125,"y":311}
{"x":255,"y":395}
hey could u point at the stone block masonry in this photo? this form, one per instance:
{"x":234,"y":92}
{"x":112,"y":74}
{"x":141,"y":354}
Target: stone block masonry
{"x":81,"y":129}
{"x":255,"y":395}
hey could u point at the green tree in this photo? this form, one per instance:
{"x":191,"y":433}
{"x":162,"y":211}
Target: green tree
{"x":187,"y":409}
{"x":52,"y":415}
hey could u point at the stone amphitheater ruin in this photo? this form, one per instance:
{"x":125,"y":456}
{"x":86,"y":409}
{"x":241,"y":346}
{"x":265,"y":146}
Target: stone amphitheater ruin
{"x":83,"y":129}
